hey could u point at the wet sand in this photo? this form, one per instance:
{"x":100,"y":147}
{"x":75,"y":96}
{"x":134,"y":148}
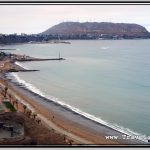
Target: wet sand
{"x":70,"y":121}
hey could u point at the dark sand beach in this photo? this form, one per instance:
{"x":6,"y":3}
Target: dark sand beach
{"x":66,"y":119}
{"x":78,"y":128}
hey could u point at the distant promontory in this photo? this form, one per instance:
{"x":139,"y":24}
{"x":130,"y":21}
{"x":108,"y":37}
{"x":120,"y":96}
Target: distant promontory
{"x":76,"y":30}
{"x":95,"y":30}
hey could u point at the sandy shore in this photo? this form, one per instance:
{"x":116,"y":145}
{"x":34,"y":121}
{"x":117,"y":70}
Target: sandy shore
{"x":78,"y":128}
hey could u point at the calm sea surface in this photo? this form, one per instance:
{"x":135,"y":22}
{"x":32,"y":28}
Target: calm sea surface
{"x":109,"y":79}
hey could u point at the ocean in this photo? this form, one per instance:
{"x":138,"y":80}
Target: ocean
{"x":105,"y":80}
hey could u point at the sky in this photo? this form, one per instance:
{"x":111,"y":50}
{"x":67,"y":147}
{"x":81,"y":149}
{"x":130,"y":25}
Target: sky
{"x":31,"y":19}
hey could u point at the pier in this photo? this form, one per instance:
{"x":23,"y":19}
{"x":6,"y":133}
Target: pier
{"x":39,"y":59}
{"x":8,"y":60}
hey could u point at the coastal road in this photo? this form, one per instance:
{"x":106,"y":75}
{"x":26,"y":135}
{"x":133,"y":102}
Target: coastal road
{"x":48,"y":123}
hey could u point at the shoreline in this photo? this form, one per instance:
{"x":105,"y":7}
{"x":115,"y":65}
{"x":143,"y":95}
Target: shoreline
{"x":77,"y":126}
{"x":71,"y":121}
{"x":74,"y":110}
{"x":41,"y":112}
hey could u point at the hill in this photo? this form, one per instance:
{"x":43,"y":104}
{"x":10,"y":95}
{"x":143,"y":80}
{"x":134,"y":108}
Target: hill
{"x":97,"y":30}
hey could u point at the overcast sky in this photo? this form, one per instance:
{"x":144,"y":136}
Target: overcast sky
{"x":37,"y":18}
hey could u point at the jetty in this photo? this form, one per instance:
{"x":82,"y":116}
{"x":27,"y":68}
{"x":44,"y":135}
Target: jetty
{"x":15,"y":57}
{"x":8,"y":62}
{"x":38,"y":59}
{"x":3,"y":49}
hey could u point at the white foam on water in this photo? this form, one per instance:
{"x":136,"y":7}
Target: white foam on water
{"x":21,"y":65}
{"x":104,"y":47}
{"x":119,"y":128}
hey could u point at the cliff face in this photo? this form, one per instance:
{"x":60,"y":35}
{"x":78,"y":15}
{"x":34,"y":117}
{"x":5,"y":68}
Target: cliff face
{"x":95,"y":28}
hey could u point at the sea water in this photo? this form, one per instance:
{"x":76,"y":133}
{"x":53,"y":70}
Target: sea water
{"x":109,"y":80}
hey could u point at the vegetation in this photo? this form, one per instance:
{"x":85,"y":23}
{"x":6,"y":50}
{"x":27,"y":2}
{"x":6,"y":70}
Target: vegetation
{"x":97,"y":30}
{"x":9,"y":106}
{"x":76,"y":30}
{"x":14,"y":38}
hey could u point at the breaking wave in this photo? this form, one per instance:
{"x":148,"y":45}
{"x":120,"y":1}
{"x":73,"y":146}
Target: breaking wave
{"x":34,"y":89}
